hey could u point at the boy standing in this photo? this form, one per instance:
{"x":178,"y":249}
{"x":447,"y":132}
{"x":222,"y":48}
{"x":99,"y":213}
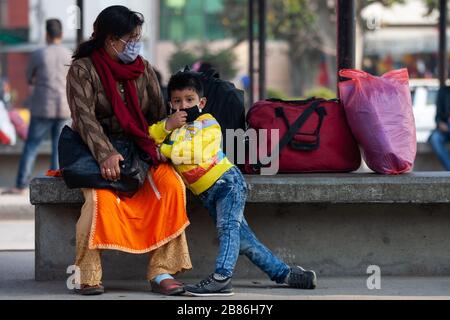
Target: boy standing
{"x":192,"y":140}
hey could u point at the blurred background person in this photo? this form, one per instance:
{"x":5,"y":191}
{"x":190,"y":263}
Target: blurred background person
{"x":46,"y":73}
{"x":441,"y":136}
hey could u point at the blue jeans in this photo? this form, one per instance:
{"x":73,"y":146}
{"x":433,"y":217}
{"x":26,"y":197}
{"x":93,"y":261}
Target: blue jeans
{"x":37,"y":132}
{"x":225,"y":202}
{"x":438,"y":140}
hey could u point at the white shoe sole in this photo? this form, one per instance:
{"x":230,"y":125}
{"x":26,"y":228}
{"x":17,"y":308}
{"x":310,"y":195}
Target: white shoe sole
{"x":192,"y":294}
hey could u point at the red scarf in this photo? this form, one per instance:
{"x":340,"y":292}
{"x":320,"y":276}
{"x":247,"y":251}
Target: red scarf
{"x":130,"y":116}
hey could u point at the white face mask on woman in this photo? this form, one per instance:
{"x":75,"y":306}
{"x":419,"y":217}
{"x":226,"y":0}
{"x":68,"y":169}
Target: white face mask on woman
{"x":131,"y":52}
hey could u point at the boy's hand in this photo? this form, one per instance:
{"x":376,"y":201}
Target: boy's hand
{"x":176,"y":120}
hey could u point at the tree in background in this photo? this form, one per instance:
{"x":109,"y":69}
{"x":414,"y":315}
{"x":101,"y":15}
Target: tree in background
{"x":290,"y":20}
{"x":433,"y":5}
{"x":309,"y":28}
{"x":222,"y":61}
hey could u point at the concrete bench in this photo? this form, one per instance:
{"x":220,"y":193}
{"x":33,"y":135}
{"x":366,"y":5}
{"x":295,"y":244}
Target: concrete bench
{"x":337,"y":224}
{"x":10,"y":155}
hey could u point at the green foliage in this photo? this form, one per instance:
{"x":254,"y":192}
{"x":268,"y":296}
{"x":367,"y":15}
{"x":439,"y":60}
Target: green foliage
{"x":386,"y":3}
{"x":234,"y":19}
{"x":287,"y":19}
{"x":303,"y":24}
{"x":223,"y":60}
{"x":180,"y":59}
{"x":320,"y":92}
{"x":276,"y":94}
{"x":432,"y":5}
{"x":284,"y":18}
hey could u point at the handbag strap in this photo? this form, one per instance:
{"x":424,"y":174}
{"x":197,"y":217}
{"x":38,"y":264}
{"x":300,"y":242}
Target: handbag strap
{"x":296,"y":126}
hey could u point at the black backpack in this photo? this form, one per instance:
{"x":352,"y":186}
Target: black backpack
{"x":224,"y":102}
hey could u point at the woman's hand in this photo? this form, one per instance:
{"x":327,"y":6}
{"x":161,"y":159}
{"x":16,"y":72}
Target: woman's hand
{"x":176,"y":120}
{"x":110,"y":168}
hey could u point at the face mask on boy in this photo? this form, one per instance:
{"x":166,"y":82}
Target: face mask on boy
{"x":192,"y":113}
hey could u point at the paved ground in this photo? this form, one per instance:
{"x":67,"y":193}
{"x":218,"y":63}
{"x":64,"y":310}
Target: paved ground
{"x":17,"y":235}
{"x":17,"y":273}
{"x":13,"y":207}
{"x":16,"y":222}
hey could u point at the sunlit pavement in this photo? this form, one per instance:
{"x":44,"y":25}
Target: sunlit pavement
{"x":17,"y":282}
{"x":17,"y":274}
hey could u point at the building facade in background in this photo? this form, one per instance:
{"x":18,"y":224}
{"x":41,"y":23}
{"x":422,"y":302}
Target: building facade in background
{"x":183,"y":20}
{"x":22,"y":30}
{"x":397,"y":36}
{"x":402,"y":36}
{"x":14,"y":29}
{"x":169,"y":23}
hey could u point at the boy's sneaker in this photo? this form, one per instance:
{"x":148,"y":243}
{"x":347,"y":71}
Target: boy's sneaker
{"x":301,"y":278}
{"x":210,"y":287}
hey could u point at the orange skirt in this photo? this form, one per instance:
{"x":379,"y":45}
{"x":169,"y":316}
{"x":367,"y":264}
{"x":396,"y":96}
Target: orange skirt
{"x":155,"y":215}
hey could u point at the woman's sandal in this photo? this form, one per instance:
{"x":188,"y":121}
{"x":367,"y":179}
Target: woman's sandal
{"x":86,"y":290}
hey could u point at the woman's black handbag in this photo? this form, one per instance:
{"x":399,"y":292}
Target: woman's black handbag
{"x":80,"y":170}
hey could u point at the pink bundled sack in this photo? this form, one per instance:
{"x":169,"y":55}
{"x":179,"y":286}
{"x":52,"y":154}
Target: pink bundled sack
{"x":380,"y":115}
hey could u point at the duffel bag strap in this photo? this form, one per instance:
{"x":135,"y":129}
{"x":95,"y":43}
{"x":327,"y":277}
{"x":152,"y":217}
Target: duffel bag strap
{"x":292,"y":101}
{"x":304,"y":146}
{"x":296,"y":126}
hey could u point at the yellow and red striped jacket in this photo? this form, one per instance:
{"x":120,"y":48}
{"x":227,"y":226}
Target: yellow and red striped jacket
{"x":195,"y":150}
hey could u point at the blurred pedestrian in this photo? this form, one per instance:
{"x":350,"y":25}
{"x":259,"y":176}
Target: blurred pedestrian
{"x":5,"y":93}
{"x":441,"y":136}
{"x":46,"y":73}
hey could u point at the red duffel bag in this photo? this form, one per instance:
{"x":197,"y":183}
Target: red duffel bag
{"x":313,"y":137}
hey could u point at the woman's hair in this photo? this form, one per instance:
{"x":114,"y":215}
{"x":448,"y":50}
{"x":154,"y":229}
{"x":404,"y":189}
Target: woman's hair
{"x":116,"y":21}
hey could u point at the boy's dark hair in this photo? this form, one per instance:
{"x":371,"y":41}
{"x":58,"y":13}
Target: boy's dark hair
{"x":54,"y":28}
{"x":185,"y":80}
